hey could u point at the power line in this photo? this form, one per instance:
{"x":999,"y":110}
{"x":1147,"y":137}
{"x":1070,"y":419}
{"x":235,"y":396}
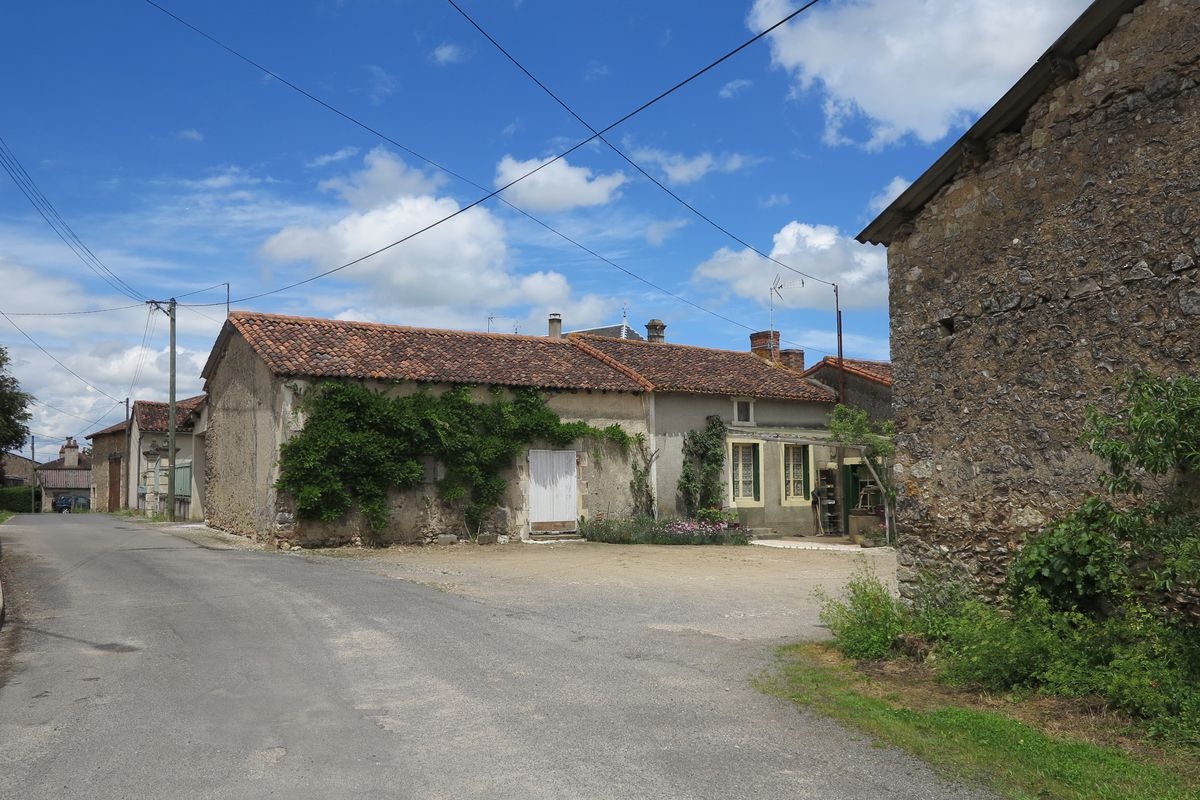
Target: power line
{"x":629,"y":160}
{"x":147,"y":336}
{"x":49,"y":213}
{"x":72,"y":313}
{"x":492,"y":194}
{"x":81,"y":379}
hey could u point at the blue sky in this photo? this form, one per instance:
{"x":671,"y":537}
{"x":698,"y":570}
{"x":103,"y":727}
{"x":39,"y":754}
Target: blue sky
{"x":181,"y":166}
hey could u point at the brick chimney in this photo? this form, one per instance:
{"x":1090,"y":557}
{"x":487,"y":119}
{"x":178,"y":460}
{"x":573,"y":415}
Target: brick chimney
{"x":70,"y":454}
{"x":765,"y":345}
{"x":555,"y":326}
{"x":792,"y":359}
{"x":656,"y":331}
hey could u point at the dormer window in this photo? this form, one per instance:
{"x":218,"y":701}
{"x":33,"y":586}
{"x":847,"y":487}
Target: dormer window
{"x":743,"y":411}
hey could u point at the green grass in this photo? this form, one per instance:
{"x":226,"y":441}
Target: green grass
{"x":1006,"y":755}
{"x":4,"y":516}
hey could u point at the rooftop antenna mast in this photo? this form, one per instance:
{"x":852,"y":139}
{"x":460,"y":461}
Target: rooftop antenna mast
{"x":777,"y":287}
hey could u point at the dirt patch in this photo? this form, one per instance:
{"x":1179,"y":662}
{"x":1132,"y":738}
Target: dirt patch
{"x":732,"y":592}
{"x":916,"y":685}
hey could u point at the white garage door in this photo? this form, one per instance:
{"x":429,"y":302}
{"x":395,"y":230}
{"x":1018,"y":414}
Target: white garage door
{"x":552,"y":490}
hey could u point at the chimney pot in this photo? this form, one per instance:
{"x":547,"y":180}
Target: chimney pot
{"x":70,"y":454}
{"x":555,"y":331}
{"x":765,"y":345}
{"x":656,"y":331}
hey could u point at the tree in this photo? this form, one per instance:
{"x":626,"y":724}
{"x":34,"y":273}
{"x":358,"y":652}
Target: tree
{"x":853,"y":427}
{"x":14,"y":411}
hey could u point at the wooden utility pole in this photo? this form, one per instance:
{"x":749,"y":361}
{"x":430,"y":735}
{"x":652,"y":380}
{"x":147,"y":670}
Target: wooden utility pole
{"x":170,"y":312}
{"x":34,"y":481}
{"x":171,"y":421}
{"x":839,"y":486}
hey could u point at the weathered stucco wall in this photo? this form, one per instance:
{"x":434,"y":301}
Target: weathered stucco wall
{"x":244,"y":428}
{"x":1030,"y":284}
{"x":677,"y":414}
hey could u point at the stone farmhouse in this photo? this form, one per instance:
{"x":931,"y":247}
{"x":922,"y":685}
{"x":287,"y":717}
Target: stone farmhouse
{"x":262,"y":363}
{"x":18,"y":469}
{"x":1046,"y":255}
{"x":868,"y":384}
{"x":131,"y":465}
{"x":69,"y":475}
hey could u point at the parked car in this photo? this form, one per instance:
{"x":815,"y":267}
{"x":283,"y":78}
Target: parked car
{"x":65,"y":504}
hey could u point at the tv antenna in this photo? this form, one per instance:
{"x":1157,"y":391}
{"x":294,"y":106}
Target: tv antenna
{"x":777,"y":287}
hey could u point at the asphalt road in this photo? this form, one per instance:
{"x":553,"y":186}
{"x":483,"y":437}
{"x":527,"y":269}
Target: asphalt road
{"x":139,"y":664}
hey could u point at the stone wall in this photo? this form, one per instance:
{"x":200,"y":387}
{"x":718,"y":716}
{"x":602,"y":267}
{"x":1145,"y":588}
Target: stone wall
{"x":108,"y":454}
{"x":1061,"y":260}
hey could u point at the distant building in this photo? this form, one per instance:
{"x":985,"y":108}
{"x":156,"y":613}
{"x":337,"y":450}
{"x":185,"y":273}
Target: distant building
{"x":868,"y":384}
{"x":18,"y":470}
{"x":68,"y":475}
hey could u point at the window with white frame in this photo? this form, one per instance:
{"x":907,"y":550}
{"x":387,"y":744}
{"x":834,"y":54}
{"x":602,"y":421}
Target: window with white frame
{"x":795,"y":472}
{"x":743,"y":411}
{"x":743,"y":464}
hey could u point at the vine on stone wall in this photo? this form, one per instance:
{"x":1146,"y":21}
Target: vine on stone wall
{"x":700,"y":480}
{"x":359,"y":444}
{"x":639,"y":484}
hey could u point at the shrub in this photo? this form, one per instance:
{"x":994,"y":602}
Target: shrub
{"x":1076,"y":564}
{"x":646,"y":530}
{"x":866,"y":623}
{"x":16,"y":498}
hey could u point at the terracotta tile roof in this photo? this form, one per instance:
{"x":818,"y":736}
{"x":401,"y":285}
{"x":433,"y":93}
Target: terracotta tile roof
{"x":878,"y":371}
{"x":66,"y":478}
{"x":305,"y":346}
{"x":701,"y":370}
{"x":152,"y":416}
{"x":118,"y":428}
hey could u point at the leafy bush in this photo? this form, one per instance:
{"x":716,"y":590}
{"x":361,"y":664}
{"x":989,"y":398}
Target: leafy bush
{"x":646,"y":530}
{"x":16,"y":498}
{"x":701,"y":477}
{"x":866,"y":623}
{"x":1076,"y":564}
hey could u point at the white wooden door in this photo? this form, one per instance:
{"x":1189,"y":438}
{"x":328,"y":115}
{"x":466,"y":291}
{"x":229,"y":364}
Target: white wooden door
{"x":552,"y":491}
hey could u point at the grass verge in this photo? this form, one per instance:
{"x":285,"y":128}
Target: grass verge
{"x":952,"y":732}
{"x":4,"y":516}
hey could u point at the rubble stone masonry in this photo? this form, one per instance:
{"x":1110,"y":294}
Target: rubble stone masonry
{"x":1063,"y":257}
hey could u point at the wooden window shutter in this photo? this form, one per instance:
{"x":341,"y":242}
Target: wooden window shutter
{"x":757,"y":478}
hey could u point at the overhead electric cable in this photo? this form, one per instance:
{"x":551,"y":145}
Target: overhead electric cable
{"x":147,"y":336}
{"x":81,"y":379}
{"x":490,"y":194}
{"x":46,"y":209}
{"x":72,"y":313}
{"x":629,"y":160}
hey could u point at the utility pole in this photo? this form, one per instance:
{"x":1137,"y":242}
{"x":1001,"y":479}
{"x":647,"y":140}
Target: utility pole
{"x":170,"y":312}
{"x":171,"y":422}
{"x":33,"y":483}
{"x":227,"y":300}
{"x":839,"y":484}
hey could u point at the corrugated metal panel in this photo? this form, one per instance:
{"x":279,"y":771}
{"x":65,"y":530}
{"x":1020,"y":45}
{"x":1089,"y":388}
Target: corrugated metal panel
{"x":552,"y":486}
{"x":65,"y":478}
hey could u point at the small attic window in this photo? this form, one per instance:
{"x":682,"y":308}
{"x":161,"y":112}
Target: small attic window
{"x":946,"y":326}
{"x":743,"y":412}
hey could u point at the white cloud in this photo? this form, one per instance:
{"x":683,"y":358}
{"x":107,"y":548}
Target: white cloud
{"x":775,"y":200}
{"x":384,"y":178}
{"x":821,"y":250}
{"x":910,"y":67}
{"x":595,"y":71}
{"x":734,"y":87}
{"x":381,"y":83}
{"x":190,"y":135}
{"x":557,"y":187}
{"x":227,"y":178}
{"x":681,"y":169}
{"x":894,"y":189}
{"x":447,"y":53}
{"x":854,"y":345}
{"x":658,"y":232}
{"x":332,"y":158}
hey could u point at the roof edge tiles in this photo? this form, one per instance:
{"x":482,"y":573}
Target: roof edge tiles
{"x":851,"y":368}
{"x":1096,"y":22}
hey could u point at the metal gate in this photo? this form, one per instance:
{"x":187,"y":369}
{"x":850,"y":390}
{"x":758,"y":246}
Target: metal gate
{"x":553,"y":498}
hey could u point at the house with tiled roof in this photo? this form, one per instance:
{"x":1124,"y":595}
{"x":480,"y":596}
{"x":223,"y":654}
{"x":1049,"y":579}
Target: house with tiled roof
{"x":262,"y":363}
{"x":110,"y":457}
{"x":69,"y":475}
{"x":867,"y":384}
{"x":146,"y":460}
